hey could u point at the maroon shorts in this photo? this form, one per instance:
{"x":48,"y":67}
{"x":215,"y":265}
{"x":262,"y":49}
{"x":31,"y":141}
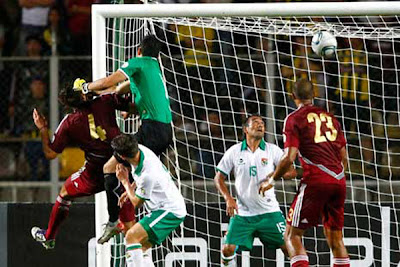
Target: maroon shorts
{"x":89,"y":181}
{"x":318,"y":200}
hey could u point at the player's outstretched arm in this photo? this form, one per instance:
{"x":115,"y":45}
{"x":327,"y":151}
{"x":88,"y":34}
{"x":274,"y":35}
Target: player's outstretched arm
{"x":231,"y":205}
{"x":290,"y":174}
{"x":41,"y":123}
{"x":123,"y":88}
{"x":285,"y":163}
{"x":107,"y":82}
{"x":284,"y":169}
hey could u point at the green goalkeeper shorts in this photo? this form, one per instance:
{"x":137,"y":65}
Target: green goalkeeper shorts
{"x":268,"y":227}
{"x":159,"y":224}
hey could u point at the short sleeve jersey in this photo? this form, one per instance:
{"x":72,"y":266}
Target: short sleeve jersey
{"x":250,"y":169}
{"x":148,"y":87}
{"x":155,"y":186}
{"x":91,"y":128}
{"x":319,"y":138}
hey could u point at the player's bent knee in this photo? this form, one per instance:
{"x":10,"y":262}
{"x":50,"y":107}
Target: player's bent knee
{"x":228,"y":250}
{"x":64,"y":193}
{"x":132,"y":236}
{"x":136,"y":234}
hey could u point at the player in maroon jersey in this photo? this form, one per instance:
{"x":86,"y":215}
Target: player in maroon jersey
{"x":317,"y":137}
{"x":91,"y":127}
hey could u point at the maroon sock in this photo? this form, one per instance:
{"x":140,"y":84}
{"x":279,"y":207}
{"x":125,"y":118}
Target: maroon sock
{"x":341,"y":262}
{"x":58,"y":214}
{"x":300,"y":264}
{"x":299,"y":261}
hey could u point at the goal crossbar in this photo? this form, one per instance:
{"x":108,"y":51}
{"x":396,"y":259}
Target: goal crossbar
{"x":254,"y":9}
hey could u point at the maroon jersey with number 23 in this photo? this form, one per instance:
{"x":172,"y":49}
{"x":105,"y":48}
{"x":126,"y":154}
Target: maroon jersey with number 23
{"x":319,"y":138}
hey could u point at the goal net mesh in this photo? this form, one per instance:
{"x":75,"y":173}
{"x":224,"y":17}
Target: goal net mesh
{"x":219,"y":70}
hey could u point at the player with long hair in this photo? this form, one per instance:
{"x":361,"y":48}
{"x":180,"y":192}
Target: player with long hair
{"x":91,"y":126}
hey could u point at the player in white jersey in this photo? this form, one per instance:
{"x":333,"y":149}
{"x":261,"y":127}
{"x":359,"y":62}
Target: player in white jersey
{"x":253,"y":215}
{"x":153,"y":187}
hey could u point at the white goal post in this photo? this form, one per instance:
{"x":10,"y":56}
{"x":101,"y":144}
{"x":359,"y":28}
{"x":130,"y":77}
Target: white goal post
{"x":100,"y":14}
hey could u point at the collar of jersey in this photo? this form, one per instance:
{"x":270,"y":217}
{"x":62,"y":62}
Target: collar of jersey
{"x":261,"y":145}
{"x":139,"y":167}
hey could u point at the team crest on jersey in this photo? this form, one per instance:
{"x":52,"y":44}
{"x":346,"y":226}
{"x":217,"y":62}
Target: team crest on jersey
{"x":125,"y":65}
{"x":142,"y":191}
{"x":264,"y":161}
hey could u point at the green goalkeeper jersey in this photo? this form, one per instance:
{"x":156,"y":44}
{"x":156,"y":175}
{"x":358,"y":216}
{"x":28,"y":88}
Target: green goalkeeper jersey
{"x":147,"y":86}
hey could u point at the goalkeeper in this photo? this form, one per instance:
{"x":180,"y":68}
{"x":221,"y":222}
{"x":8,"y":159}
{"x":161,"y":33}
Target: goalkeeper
{"x":145,"y":80}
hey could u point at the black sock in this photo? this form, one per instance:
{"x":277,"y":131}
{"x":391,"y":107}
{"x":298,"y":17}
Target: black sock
{"x":113,"y":191}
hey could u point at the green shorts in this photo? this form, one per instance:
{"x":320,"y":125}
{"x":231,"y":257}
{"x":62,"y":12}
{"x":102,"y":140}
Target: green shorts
{"x":159,"y":224}
{"x":268,"y":227}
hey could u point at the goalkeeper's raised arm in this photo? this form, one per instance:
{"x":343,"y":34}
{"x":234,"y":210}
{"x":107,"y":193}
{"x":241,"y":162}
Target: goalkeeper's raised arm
{"x":104,"y":83}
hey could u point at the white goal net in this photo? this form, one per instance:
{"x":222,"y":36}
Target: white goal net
{"x":218,"y":70}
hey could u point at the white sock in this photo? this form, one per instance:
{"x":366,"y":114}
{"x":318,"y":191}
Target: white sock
{"x":134,"y":255}
{"x":228,"y":261}
{"x":147,"y":259}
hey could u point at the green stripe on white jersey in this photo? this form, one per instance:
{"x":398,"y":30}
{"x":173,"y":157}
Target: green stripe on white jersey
{"x":155,"y":185}
{"x":250,"y":169}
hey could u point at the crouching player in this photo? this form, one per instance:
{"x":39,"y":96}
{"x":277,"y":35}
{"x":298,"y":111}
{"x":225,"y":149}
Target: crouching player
{"x":91,"y":126}
{"x":156,"y":190}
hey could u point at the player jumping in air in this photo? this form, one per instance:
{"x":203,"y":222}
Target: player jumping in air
{"x":155,"y":189}
{"x":146,"y":83}
{"x":256,"y":215}
{"x":91,"y":127}
{"x":317,"y":137}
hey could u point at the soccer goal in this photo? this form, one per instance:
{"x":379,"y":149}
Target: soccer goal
{"x":222,"y":62}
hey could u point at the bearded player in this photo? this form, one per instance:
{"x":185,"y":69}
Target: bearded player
{"x":317,"y":137}
{"x":91,"y":126}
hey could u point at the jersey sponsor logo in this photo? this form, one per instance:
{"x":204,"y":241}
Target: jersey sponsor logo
{"x":304,"y":220}
{"x":241,"y":161}
{"x":264,"y":161}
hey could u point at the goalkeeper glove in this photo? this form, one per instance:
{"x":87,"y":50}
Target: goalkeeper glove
{"x":81,"y":85}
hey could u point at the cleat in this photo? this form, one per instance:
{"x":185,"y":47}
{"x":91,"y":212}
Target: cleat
{"x":109,"y":231}
{"x":40,"y":236}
